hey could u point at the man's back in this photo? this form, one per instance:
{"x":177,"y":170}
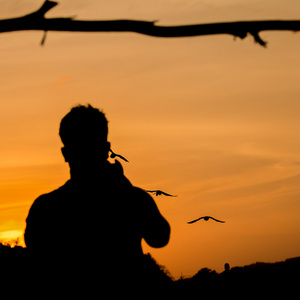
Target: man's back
{"x":99,"y":223}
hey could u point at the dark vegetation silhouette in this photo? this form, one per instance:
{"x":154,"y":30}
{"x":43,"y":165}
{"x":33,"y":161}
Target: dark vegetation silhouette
{"x":259,"y":280}
{"x":37,"y":21}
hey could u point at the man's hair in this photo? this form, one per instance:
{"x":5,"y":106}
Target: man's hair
{"x":83,"y":123}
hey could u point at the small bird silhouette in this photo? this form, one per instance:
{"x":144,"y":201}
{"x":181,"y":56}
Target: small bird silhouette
{"x":159,"y":192}
{"x":113,"y":155}
{"x":206,"y":218}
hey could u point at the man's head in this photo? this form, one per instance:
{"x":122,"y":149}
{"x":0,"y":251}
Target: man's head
{"x":83,"y":132}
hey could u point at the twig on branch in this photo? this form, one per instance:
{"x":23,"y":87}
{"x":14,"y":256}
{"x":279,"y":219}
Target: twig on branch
{"x":37,"y":21}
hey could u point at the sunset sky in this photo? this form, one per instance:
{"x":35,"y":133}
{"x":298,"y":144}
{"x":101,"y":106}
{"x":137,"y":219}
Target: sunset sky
{"x":211,"y":119}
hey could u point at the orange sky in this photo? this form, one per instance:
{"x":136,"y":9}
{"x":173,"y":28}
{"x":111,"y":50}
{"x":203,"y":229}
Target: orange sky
{"x":213,"y":120}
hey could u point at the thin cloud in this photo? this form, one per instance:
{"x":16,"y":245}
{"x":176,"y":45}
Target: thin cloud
{"x":284,"y":185}
{"x":62,"y":80}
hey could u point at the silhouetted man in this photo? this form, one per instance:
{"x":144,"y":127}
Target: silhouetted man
{"x":97,"y":218}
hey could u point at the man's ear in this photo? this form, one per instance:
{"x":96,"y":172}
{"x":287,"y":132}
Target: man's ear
{"x":65,"y":154}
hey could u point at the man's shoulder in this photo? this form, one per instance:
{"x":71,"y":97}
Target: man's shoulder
{"x":46,"y":198}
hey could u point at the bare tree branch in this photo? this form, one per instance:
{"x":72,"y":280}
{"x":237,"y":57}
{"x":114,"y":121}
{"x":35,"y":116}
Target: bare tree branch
{"x":37,"y":21}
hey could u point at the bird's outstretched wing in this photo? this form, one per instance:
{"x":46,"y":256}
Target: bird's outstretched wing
{"x":166,"y":194}
{"x":113,"y":155}
{"x":191,"y":222}
{"x":217,"y":220}
{"x":159,"y":192}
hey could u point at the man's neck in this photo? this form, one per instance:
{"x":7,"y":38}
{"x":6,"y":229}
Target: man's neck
{"x":88,"y":174}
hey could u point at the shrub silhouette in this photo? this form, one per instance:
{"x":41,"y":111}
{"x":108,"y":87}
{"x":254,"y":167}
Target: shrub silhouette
{"x":265,"y":279}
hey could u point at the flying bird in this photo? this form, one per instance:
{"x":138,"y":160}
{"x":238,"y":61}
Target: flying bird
{"x":113,"y":155}
{"x":159,"y":192}
{"x":206,"y":218}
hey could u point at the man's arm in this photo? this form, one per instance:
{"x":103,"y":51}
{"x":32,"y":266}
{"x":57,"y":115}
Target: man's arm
{"x":155,"y":228}
{"x":33,"y":235}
